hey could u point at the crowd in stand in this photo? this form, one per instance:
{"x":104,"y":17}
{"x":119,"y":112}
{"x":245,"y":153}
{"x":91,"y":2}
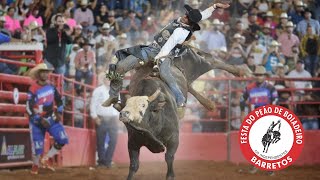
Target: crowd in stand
{"x":80,"y":37}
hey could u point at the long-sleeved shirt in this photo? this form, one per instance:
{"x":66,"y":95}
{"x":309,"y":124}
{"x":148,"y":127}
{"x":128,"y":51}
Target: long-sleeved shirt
{"x":41,"y":99}
{"x":86,"y":16}
{"x":287,"y":41}
{"x":179,"y":35}
{"x":99,"y":95}
{"x":302,"y":26}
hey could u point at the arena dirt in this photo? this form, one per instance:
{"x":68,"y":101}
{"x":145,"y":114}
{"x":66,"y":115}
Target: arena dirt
{"x":185,"y":170}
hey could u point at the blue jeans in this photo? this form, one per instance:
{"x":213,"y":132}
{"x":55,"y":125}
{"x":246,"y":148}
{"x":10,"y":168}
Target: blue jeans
{"x":108,"y":126}
{"x":57,"y":70}
{"x":86,"y":75}
{"x":312,"y":64}
{"x":310,"y":124}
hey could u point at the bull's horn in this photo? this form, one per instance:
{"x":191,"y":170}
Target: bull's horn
{"x":154,"y":95}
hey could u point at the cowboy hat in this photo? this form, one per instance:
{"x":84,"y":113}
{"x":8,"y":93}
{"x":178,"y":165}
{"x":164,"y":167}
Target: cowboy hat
{"x":280,"y":65}
{"x":33,"y":25}
{"x":277,"y":1}
{"x":107,"y":27}
{"x":284,"y":16}
{"x":275,"y":43}
{"x":289,"y":24}
{"x":237,"y":36}
{"x":216,"y":22}
{"x":122,"y":36}
{"x":84,"y":2}
{"x":40,"y":67}
{"x":194,"y":16}
{"x":269,"y":14}
{"x":260,"y":70}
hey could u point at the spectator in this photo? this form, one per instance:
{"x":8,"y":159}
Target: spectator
{"x":307,"y":21}
{"x":215,"y":39}
{"x":106,"y":124}
{"x":280,"y":71}
{"x":243,"y":6}
{"x":12,"y":24}
{"x":32,"y":16}
{"x":250,"y":62}
{"x":118,"y":4}
{"x":35,"y":33}
{"x":85,"y":63}
{"x":296,"y":14}
{"x":287,"y":40}
{"x":281,"y":27}
{"x":141,"y":7}
{"x":72,"y":66}
{"x":131,"y":25}
{"x":84,"y":16}
{"x":236,"y":55}
{"x":77,"y":32}
{"x":262,"y":5}
{"x":300,"y":72}
{"x":57,"y":39}
{"x":122,"y":41}
{"x":2,"y":26}
{"x":273,"y":57}
{"x":69,"y":19}
{"x":257,"y":50}
{"x":310,"y":45}
{"x":253,"y":28}
{"x":113,"y":24}
{"x":265,"y":37}
{"x":272,"y":24}
{"x":102,"y":41}
{"x":102,"y":16}
{"x":277,"y":10}
{"x":221,"y":14}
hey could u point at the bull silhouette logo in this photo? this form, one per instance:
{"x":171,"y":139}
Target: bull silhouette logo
{"x":272,"y":136}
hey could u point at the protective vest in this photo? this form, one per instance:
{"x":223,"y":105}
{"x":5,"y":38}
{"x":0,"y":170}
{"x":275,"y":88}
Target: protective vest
{"x":162,"y":37}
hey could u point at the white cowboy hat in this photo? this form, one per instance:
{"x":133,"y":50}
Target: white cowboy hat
{"x":223,"y":49}
{"x":275,"y":43}
{"x":33,"y":25}
{"x":280,"y":65}
{"x":106,"y":26}
{"x":284,"y":16}
{"x":260,"y":70}
{"x":40,"y":67}
{"x":269,"y":14}
{"x":237,"y":36}
{"x":123,"y":36}
{"x":299,"y":3}
{"x":267,"y":25}
{"x":289,"y":24}
{"x":277,"y":1}
{"x":84,"y":2}
{"x":78,"y":26}
{"x":216,"y":22}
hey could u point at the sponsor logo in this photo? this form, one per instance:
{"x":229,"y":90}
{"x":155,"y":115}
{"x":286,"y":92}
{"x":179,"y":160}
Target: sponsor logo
{"x":271,"y":137}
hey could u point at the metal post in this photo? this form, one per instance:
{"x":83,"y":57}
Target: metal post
{"x":229,"y":122}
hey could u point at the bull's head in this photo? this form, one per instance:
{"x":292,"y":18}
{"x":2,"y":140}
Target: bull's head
{"x":136,"y":107}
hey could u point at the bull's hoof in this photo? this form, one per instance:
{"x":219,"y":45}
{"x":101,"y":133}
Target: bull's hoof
{"x":181,"y":110}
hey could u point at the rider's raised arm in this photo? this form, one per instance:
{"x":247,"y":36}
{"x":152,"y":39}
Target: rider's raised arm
{"x":207,"y":12}
{"x":178,"y":36}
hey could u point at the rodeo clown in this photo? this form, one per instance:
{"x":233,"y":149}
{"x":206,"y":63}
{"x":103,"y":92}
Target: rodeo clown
{"x":167,"y":45}
{"x":40,"y":107}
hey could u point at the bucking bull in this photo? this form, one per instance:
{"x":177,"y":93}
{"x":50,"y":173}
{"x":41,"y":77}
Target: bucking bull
{"x":150,"y":114}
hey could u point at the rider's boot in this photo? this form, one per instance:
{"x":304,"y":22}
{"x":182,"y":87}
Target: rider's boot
{"x":115,"y":85}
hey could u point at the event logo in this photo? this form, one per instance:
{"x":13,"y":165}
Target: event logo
{"x":271,"y":137}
